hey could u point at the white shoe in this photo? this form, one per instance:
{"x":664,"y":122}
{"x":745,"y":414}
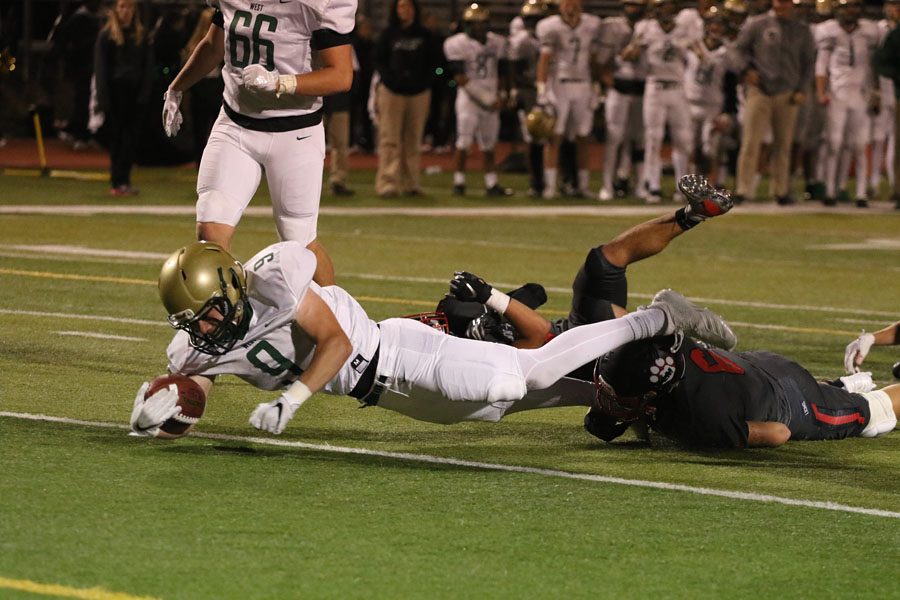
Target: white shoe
{"x":678,"y":198}
{"x":605,"y":195}
{"x":682,"y":314}
{"x":653,"y":197}
{"x":548,"y":194}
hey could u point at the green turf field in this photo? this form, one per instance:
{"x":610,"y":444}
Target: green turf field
{"x":98,"y":514}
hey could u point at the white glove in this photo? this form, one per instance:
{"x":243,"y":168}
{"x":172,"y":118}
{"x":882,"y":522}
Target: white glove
{"x":545,"y":95}
{"x":858,"y":383}
{"x":856,"y":352}
{"x":257,"y":79}
{"x":596,"y":96}
{"x":171,"y":116}
{"x":274,"y":416}
{"x":147,"y":415}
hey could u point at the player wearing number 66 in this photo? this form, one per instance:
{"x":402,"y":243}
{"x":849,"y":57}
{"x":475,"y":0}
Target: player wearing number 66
{"x":271,"y":115}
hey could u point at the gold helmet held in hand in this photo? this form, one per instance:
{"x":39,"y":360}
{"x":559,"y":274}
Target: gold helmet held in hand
{"x":540,"y":123}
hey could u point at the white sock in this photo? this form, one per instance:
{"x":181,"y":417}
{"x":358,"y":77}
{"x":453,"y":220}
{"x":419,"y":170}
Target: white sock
{"x":584,"y":179}
{"x":550,"y":179}
{"x":566,"y":352}
{"x":490,"y":179}
{"x":459,"y":178}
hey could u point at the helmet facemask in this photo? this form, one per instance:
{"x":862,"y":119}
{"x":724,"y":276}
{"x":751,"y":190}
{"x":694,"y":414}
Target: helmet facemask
{"x":644,"y":371}
{"x":227,"y":319}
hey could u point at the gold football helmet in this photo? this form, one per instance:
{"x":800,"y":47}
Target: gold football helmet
{"x":533,"y":8}
{"x":540,"y":123}
{"x":203,"y":283}
{"x":476,"y":13}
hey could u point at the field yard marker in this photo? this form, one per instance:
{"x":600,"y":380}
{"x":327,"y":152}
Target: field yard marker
{"x":54,"y":315}
{"x":439,"y":460}
{"x":64,"y":591}
{"x":74,"y":277}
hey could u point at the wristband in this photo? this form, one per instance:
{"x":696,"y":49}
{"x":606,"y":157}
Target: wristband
{"x":287,"y":84}
{"x":498,"y":301}
{"x":298,"y":393}
{"x":540,"y":86}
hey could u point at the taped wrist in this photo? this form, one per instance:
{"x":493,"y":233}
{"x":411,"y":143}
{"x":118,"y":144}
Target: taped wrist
{"x":287,"y":84}
{"x":498,"y":301}
{"x":297,"y":393}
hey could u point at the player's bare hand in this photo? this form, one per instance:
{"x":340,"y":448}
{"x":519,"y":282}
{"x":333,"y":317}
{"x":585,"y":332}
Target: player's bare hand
{"x":798,"y":98}
{"x":823,"y":98}
{"x":751,"y":77}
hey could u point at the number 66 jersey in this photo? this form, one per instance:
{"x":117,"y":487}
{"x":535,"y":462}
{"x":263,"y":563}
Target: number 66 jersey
{"x":278,"y":34}
{"x":274,"y":352}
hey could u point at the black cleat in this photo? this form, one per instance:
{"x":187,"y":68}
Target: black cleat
{"x":784,"y":200}
{"x":862,"y":203}
{"x":497,"y":190}
{"x":459,"y":190}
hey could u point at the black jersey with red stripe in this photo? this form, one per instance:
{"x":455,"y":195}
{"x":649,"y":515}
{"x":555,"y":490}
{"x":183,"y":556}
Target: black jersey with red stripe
{"x":723,"y":390}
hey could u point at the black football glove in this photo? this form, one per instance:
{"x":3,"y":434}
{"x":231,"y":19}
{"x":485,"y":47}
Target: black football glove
{"x":469,"y":288}
{"x":489,"y":327}
{"x":605,"y":427}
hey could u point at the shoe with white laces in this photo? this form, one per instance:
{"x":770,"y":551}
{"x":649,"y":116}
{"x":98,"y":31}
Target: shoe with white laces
{"x":703,"y":200}
{"x":682,"y":314}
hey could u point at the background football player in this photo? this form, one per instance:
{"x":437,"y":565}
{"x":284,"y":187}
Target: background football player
{"x":884,"y":137}
{"x":271,"y":115}
{"x":704,"y":87}
{"x":478,"y":60}
{"x":565,"y":74}
{"x":524,"y":51}
{"x":665,"y":45}
{"x":844,"y":85}
{"x":624,"y":81}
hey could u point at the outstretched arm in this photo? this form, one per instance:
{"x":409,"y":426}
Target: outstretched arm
{"x":333,"y":348}
{"x":532,"y":327}
{"x":858,"y":349}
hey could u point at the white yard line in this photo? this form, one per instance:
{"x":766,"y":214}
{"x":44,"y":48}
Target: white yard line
{"x":58,"y":315}
{"x":100,"y":336}
{"x":439,"y":460}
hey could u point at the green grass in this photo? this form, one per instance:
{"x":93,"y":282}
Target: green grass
{"x":198,"y":518}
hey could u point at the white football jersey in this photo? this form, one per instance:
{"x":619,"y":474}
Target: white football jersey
{"x":571,"y":47}
{"x":481,"y":60}
{"x":885,"y":84}
{"x":666,"y":52}
{"x":277,"y":34}
{"x":704,"y":77}
{"x":846,"y":58}
{"x":691,"y":21}
{"x":274,"y":352}
{"x":615,"y":34}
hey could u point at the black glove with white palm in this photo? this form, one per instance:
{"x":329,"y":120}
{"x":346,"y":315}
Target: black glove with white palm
{"x":467,"y":287}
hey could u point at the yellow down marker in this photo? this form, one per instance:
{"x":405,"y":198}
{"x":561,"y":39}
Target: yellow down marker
{"x":62,"y":591}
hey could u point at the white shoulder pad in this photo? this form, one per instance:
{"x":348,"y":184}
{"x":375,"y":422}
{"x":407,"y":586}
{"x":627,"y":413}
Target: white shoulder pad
{"x":280,"y":274}
{"x":455,"y":47}
{"x":337,"y":15}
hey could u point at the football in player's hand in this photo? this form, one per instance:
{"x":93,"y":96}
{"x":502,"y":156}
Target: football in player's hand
{"x":191,"y":400}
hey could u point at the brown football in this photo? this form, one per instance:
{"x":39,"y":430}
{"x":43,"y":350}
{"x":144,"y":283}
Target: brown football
{"x":191,"y":400}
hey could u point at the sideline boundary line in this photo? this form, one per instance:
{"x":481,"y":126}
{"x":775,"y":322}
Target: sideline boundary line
{"x":485,"y":466}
